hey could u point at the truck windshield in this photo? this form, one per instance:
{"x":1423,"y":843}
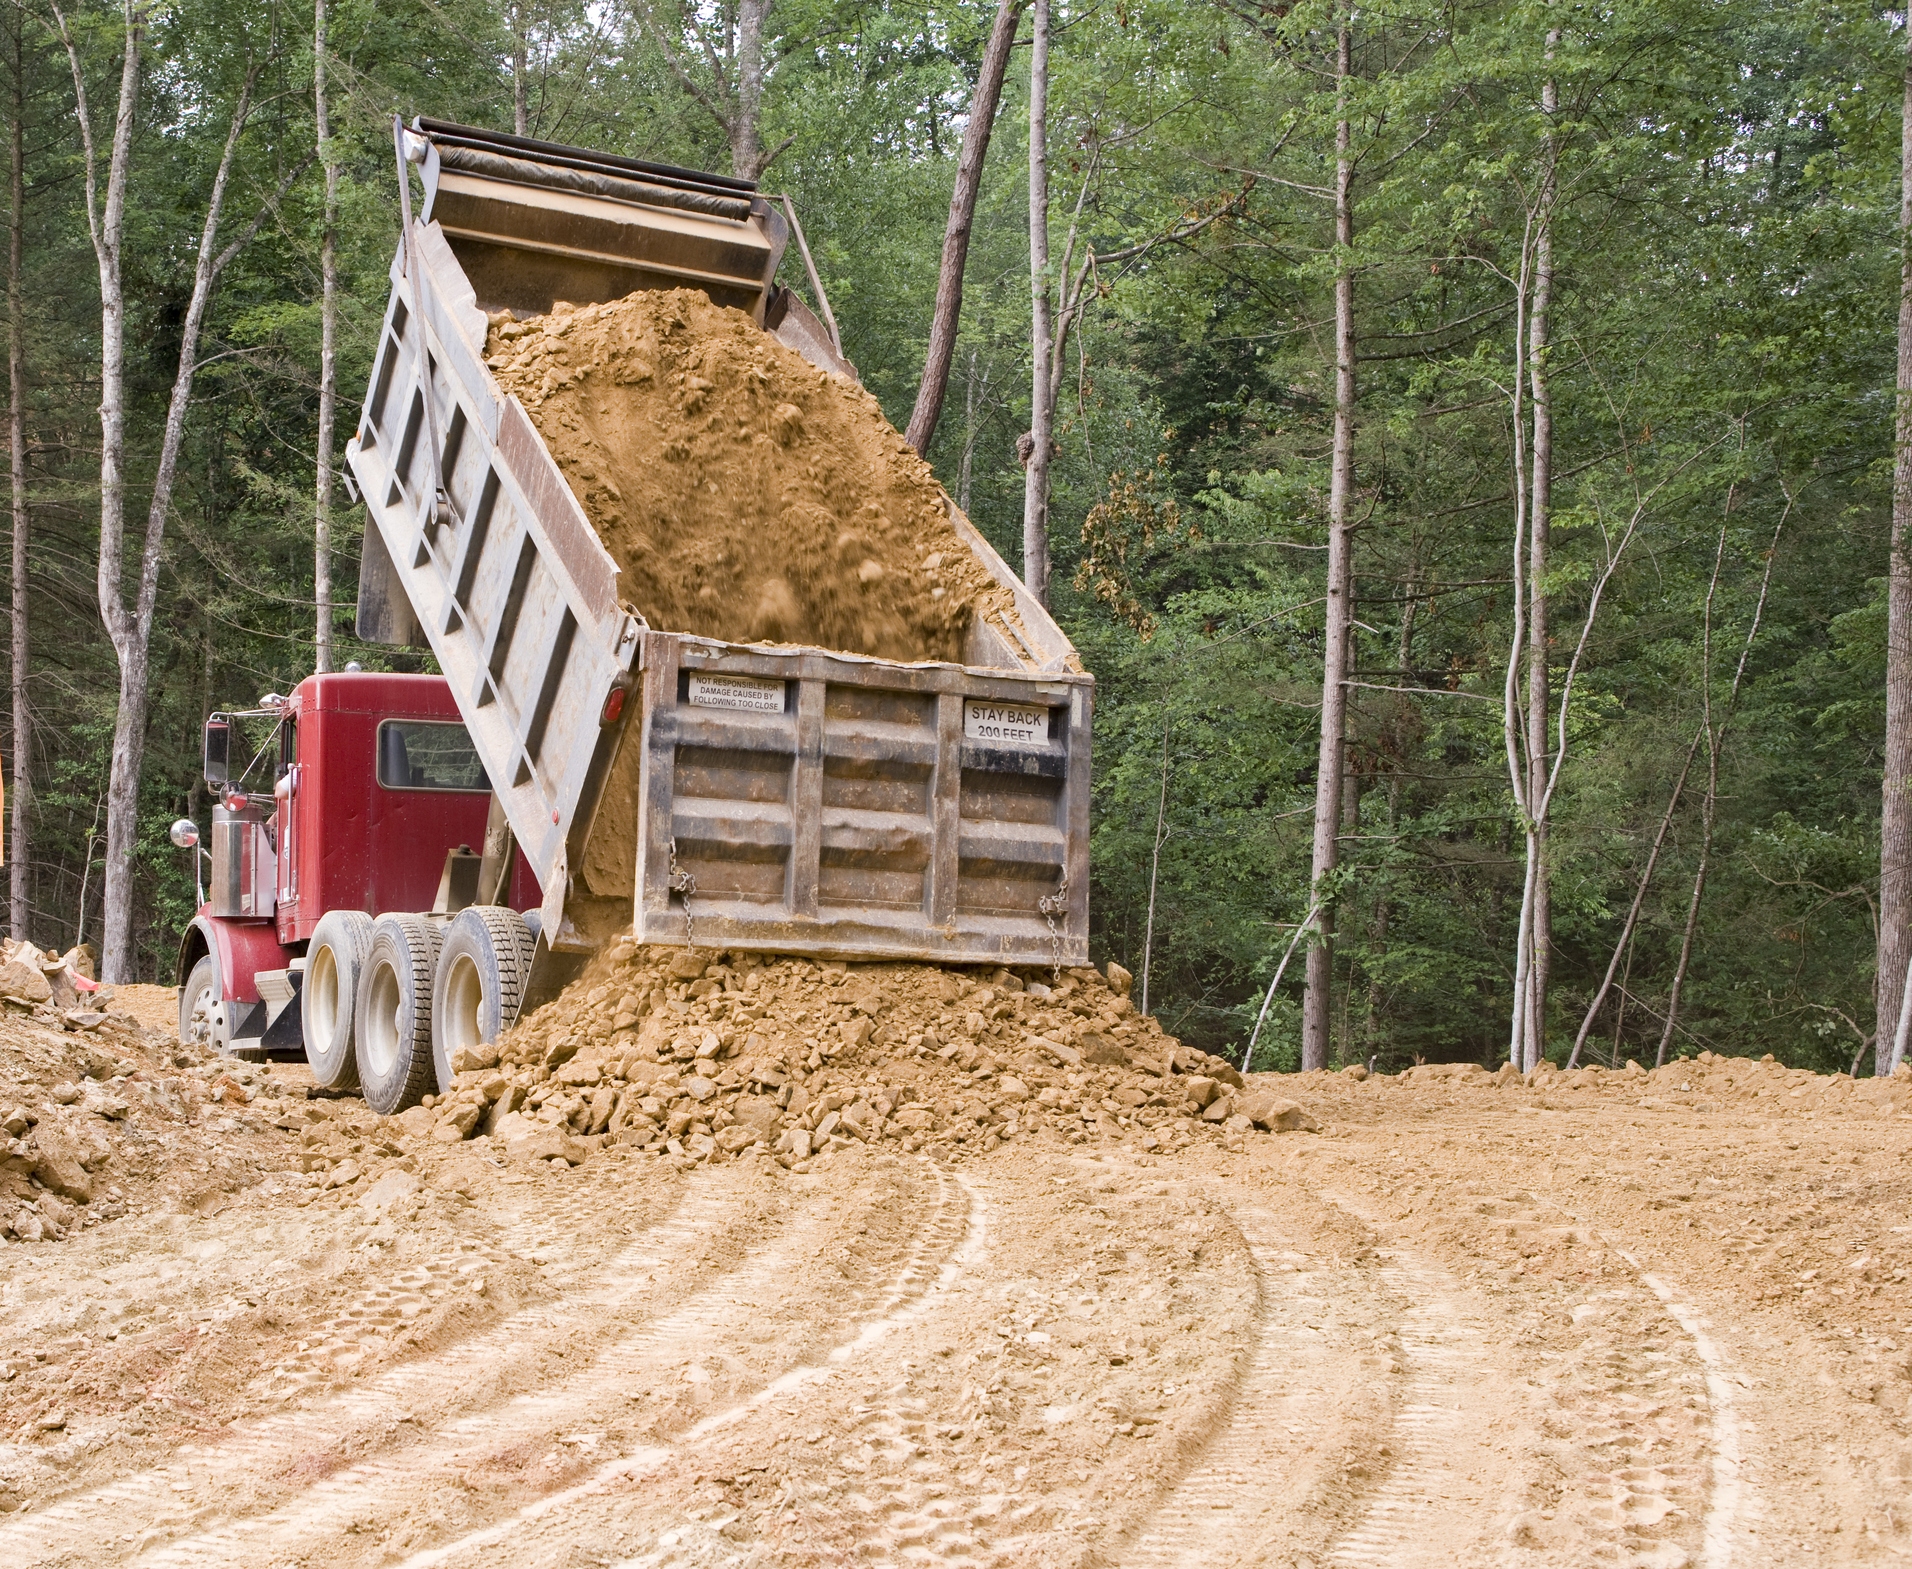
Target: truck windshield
{"x":417,"y":754}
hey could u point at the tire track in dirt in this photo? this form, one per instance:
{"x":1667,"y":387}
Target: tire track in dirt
{"x":949,"y":1245}
{"x":1427,"y":1504}
{"x":1730,"y":1501}
{"x":379,"y":1486}
{"x":269,"y":1445}
{"x":1643,"y":1446}
{"x":1223,"y":1504}
{"x":1430,"y":1499}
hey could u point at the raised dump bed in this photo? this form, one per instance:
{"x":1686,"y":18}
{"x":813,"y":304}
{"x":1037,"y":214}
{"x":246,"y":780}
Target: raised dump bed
{"x":745,"y":790}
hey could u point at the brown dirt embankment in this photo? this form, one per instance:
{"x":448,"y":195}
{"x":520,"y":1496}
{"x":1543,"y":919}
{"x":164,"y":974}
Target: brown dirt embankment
{"x":745,"y":494}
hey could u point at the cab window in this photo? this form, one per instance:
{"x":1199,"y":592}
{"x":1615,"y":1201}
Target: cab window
{"x":419,"y":754}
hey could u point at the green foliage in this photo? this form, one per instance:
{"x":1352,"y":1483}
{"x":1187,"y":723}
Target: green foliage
{"x":1721,"y":370}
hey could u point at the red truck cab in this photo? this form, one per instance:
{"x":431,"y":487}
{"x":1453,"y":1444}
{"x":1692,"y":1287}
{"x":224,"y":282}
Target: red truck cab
{"x":349,"y":794}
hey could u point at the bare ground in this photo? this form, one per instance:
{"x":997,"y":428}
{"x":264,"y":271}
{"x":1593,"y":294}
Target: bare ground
{"x":1596,"y":1320}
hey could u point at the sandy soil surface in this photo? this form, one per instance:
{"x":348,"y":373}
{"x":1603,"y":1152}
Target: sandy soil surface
{"x":1596,"y":1319}
{"x":744,"y":493}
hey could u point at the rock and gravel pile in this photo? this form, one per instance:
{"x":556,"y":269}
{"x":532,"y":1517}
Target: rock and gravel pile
{"x":702,"y":1056}
{"x":110,"y":1116}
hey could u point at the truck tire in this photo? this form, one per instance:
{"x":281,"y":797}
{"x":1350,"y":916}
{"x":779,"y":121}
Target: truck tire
{"x":203,"y":1019}
{"x":482,"y":970}
{"x":328,"y":998}
{"x":392,"y":1028}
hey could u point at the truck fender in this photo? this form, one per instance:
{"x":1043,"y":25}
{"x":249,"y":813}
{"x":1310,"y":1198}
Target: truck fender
{"x":241,"y":947}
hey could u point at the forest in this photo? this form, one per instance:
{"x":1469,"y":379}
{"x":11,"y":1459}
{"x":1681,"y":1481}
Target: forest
{"x":1462,"y":441}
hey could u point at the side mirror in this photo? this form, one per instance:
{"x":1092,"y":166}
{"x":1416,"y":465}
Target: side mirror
{"x":184,"y":833}
{"x":218,"y":750}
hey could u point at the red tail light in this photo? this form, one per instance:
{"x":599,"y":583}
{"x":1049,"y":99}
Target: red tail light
{"x":613,"y":706}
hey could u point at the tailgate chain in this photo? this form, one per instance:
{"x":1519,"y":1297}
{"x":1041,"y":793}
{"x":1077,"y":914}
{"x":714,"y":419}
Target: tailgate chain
{"x":682,"y":882}
{"x":1051,"y":906}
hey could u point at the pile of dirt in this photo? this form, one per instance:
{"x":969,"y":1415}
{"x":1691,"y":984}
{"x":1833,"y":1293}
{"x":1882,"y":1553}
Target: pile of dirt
{"x":745,"y":494}
{"x":701,"y":1057}
{"x":111,"y":1116}
{"x":1709,"y":1082}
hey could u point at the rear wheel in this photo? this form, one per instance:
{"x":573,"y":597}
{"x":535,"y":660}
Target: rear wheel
{"x":328,"y":998}
{"x":392,"y":1028}
{"x":203,"y":1019}
{"x":482,"y":970}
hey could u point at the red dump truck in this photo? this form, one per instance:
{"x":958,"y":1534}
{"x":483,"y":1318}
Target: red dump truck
{"x":418,"y":868}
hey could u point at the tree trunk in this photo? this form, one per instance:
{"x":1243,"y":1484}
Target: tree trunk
{"x":1383,"y":907}
{"x":947,"y":316}
{"x":519,"y":64}
{"x":1041,"y":438}
{"x":1625,"y":940}
{"x":127,"y":632}
{"x":1539,"y":326}
{"x":746,"y":138}
{"x":1155,"y":866}
{"x":130,"y":627}
{"x":328,"y":348}
{"x":17,"y":447}
{"x":1315,"y":1002}
{"x":1693,"y":904}
{"x":1895,"y":813}
{"x":965,"y":470}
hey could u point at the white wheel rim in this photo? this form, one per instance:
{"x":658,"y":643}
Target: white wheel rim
{"x":378,"y":1033}
{"x":464,"y":997}
{"x":204,"y":1026}
{"x":322,"y":990}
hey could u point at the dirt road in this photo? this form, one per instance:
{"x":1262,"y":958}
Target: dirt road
{"x":1467,"y":1323}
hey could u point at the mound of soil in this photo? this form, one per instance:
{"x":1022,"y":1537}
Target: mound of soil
{"x":115,"y":1115}
{"x":745,"y":494}
{"x":683,"y":1054}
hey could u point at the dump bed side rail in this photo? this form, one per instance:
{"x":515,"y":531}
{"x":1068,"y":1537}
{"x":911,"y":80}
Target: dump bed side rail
{"x":513,"y":592}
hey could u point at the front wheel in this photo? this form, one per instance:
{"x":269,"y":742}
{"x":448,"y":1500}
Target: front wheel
{"x":203,"y":1018}
{"x":392,"y":1025}
{"x":482,"y":970}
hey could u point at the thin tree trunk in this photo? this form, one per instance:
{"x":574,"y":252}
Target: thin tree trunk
{"x":328,"y":347}
{"x":1895,"y":825}
{"x":130,"y":626}
{"x":1639,"y":898}
{"x":1316,"y":1008}
{"x":1539,"y":327}
{"x":965,"y":470}
{"x":1715,"y":740}
{"x":947,"y":315}
{"x":520,"y":120}
{"x":1155,"y":864}
{"x":17,"y":448}
{"x":128,"y":634}
{"x":1706,"y":812}
{"x":1693,"y":904}
{"x":1035,"y":494}
{"x":1378,"y":936}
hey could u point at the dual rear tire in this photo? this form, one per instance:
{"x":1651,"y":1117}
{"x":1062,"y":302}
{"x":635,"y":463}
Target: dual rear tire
{"x":393,"y":1023}
{"x":388,"y":1003}
{"x":482,"y":971}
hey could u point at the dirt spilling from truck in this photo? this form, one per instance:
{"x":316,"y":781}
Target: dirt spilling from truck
{"x":744,"y":493}
{"x":704,"y":1057}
